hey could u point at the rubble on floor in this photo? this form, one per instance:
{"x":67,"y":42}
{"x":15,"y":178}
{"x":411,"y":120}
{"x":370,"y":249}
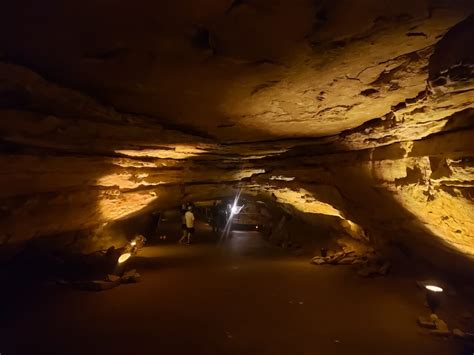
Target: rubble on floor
{"x":426,"y":323}
{"x":438,"y":327}
{"x":111,"y":281}
{"x":101,"y":270}
{"x":367,"y":261}
{"x":113,"y":278}
{"x":131,"y":276}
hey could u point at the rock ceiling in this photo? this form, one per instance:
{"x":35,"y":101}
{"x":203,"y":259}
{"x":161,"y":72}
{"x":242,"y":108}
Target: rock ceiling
{"x":235,"y":70}
{"x":362,"y":108}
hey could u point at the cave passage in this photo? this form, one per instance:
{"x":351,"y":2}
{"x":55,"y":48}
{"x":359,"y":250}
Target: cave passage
{"x":241,"y":296}
{"x":331,"y":140}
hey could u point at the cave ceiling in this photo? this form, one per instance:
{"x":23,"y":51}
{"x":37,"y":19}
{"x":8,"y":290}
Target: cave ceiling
{"x":242,"y":70}
{"x":358,"y":109}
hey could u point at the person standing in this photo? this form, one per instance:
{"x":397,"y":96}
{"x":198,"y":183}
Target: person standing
{"x":183,"y":224}
{"x":189,"y":217}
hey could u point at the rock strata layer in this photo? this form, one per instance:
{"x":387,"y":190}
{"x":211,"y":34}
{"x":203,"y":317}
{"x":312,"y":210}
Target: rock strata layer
{"x":369,"y":119}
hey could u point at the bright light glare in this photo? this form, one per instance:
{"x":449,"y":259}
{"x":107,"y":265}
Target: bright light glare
{"x":124,"y":257}
{"x":433,"y":288}
{"x":235,"y":209}
{"x":133,"y":243}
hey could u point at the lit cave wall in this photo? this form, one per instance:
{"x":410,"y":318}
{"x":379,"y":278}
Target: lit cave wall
{"x":128,"y":110}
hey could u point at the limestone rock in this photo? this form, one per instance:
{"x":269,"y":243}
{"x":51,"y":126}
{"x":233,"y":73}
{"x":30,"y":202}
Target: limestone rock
{"x":368,"y":122}
{"x":368,"y":264}
{"x":441,"y":325}
{"x":131,"y":276}
{"x":347,"y":260}
{"x":426,"y":323}
{"x":319,"y":260}
{"x":113,"y":278}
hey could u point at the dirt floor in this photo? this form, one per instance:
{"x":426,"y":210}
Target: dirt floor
{"x":238,"y":296}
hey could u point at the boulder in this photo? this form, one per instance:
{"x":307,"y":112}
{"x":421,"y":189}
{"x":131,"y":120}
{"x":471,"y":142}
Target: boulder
{"x":374,"y":267}
{"x":347,"y":260}
{"x":131,"y":276}
{"x":336,"y":258}
{"x":319,"y":260}
{"x":426,"y":323}
{"x":113,"y":278}
{"x":441,"y":325}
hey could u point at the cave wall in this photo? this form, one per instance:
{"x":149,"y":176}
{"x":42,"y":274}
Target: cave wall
{"x":367,"y":119}
{"x":419,"y":198}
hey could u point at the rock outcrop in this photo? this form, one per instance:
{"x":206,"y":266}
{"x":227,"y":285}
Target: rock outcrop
{"x":107,"y":113}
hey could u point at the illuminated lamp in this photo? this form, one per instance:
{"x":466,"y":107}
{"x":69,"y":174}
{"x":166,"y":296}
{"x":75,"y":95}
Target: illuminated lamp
{"x":124,"y":257}
{"x":433,"y":288}
{"x":433,"y":296}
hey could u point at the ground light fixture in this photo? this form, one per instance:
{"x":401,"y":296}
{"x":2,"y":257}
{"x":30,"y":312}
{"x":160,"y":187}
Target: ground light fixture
{"x":136,"y":243}
{"x":124,"y":257}
{"x":433,"y":296}
{"x":434,"y":288}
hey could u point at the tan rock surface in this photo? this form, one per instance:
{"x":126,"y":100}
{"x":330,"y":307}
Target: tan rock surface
{"x":112,"y":111}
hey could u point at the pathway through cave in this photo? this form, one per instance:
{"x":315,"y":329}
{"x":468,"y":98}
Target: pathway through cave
{"x":243,"y":296}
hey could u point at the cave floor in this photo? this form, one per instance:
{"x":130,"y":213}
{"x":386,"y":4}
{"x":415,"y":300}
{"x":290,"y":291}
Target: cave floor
{"x":242,"y":296}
